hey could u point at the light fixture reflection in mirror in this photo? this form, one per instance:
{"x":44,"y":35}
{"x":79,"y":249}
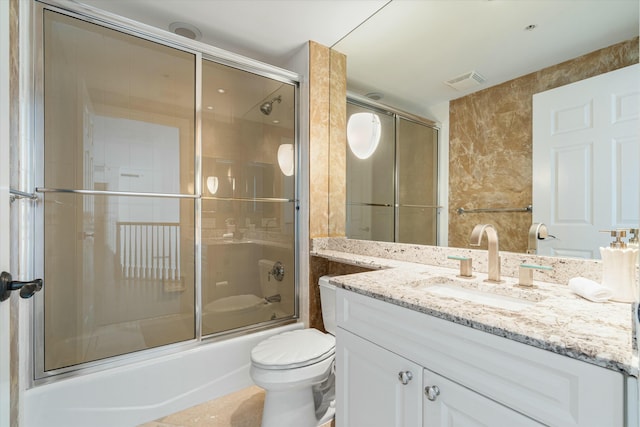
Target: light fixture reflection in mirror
{"x":212,"y":184}
{"x":363,"y":134}
{"x":285,"y":159}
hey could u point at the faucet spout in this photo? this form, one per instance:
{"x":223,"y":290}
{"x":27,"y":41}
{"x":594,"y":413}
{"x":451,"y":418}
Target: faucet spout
{"x":493,"y":253}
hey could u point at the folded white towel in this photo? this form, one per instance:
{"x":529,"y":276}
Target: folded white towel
{"x":593,"y":291}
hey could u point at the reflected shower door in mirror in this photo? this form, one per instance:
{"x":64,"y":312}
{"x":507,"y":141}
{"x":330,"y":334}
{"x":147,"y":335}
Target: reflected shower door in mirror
{"x":392,"y":194}
{"x":371,"y":184}
{"x":118,"y":211}
{"x":417,"y":187}
{"x":248,"y":207}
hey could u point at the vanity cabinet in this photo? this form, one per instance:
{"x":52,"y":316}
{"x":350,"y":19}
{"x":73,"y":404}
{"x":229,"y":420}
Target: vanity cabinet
{"x":482,"y":379}
{"x":453,"y":405}
{"x":379,"y":387}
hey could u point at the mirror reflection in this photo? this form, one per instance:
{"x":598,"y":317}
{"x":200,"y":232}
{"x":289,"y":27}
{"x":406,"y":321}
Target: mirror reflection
{"x":392,"y":192}
{"x":486,"y":126}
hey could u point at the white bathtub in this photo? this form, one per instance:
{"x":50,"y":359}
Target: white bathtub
{"x":144,"y":391}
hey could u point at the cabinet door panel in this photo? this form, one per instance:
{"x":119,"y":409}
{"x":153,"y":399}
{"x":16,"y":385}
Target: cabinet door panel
{"x":457,"y":406}
{"x":369,"y":391}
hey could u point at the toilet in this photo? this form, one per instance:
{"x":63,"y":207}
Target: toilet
{"x":296,"y":369}
{"x":241,"y":310}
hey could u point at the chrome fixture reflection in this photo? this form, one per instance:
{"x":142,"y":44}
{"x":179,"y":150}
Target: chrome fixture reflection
{"x":363,"y":134}
{"x":266,"y":107}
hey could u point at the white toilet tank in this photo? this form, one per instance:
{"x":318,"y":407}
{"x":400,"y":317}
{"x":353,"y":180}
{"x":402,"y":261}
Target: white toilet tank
{"x":328,"y":302}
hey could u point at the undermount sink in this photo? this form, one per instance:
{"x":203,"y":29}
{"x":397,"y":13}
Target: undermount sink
{"x":470,"y":291}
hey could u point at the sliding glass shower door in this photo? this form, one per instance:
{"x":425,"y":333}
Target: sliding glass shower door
{"x":248,"y":200}
{"x":417,"y":186}
{"x":169,"y":195}
{"x":118,"y":154}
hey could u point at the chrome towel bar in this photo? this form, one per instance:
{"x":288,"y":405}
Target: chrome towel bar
{"x":484,"y":210}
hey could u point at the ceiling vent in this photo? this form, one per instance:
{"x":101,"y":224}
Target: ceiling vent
{"x":466,"y":81}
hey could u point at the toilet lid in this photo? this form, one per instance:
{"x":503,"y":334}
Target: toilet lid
{"x":293,"y":349}
{"x":235,"y":303}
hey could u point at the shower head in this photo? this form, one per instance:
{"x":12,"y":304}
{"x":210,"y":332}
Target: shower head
{"x":266,"y":107}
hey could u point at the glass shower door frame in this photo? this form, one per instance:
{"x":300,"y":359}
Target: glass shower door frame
{"x":200,"y":51}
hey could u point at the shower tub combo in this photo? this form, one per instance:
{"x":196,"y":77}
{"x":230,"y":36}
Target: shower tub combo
{"x":166,"y":227}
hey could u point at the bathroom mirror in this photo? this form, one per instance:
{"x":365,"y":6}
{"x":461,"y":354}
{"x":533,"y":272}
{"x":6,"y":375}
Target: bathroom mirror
{"x":409,"y":49}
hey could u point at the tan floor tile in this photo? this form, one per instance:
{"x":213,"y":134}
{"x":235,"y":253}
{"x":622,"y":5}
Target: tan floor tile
{"x":239,"y":409}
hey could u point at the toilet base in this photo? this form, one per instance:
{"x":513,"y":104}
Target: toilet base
{"x":289,"y":408}
{"x":291,"y":396}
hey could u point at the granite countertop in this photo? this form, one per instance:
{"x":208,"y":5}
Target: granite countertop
{"x":550,"y":316}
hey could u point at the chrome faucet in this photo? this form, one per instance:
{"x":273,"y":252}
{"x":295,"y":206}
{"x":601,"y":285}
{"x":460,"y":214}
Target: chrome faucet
{"x":493,"y":255}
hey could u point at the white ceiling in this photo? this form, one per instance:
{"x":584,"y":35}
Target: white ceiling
{"x":414,"y":46}
{"x":409,"y":47}
{"x":270,"y":31}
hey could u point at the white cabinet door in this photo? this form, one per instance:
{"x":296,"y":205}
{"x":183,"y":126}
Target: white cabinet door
{"x":370,"y":391}
{"x":448,"y":404}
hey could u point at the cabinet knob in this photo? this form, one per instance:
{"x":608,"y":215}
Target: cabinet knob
{"x":405,"y":377}
{"x":432,"y":392}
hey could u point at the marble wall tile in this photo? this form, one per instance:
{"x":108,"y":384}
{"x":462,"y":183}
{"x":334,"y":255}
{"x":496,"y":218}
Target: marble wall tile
{"x":490,"y":145}
{"x":319,"y":90}
{"x":337,"y":145}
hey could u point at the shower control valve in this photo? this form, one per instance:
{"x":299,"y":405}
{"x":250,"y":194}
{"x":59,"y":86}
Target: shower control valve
{"x":277,"y":271}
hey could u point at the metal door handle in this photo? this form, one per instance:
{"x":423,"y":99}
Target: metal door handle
{"x":27,"y":289}
{"x":432,"y":392}
{"x":405,"y":377}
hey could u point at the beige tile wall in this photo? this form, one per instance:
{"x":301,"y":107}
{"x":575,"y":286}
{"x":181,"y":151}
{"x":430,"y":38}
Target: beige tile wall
{"x":327,"y":135}
{"x":319,"y":68}
{"x":337,"y":145}
{"x":491,"y":139}
{"x":327,"y":151}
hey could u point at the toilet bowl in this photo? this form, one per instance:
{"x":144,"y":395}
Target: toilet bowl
{"x":296,"y":369}
{"x":236,"y":311}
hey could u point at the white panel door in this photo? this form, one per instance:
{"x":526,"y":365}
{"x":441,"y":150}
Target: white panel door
{"x":375,"y":387}
{"x":4,"y":209}
{"x":586,"y":161}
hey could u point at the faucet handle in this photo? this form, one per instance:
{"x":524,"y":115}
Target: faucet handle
{"x":466,"y":269}
{"x":526,"y":274}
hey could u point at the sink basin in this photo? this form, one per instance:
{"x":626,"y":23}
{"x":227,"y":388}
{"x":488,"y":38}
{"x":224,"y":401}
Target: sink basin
{"x":479,"y":297}
{"x":469,"y":291}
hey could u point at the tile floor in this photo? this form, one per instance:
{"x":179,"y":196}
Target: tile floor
{"x":240,"y":409}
